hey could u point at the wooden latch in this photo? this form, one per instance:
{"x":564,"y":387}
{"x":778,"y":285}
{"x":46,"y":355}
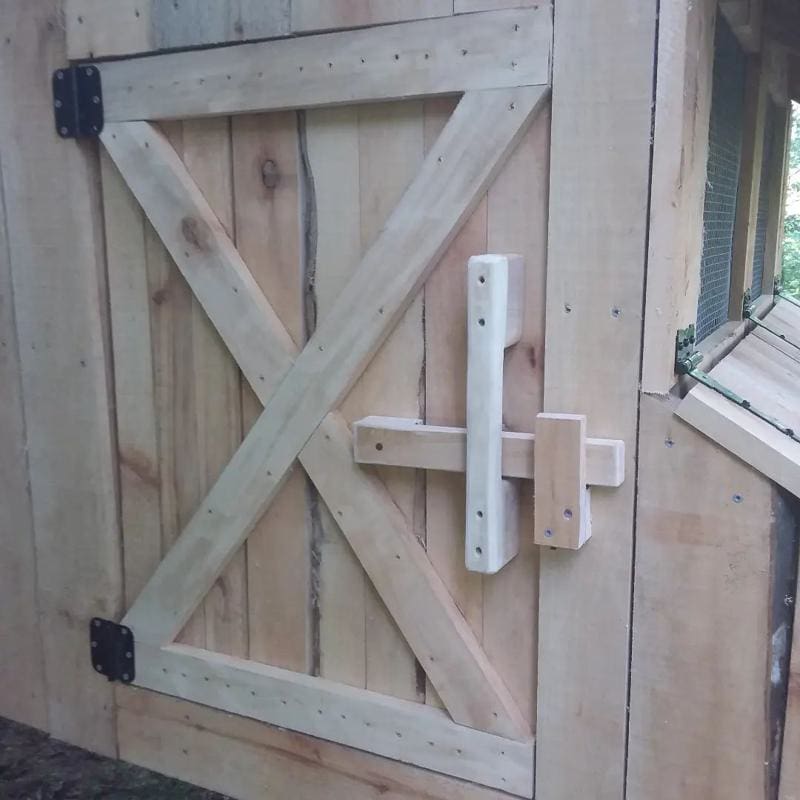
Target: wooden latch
{"x":566,"y":461}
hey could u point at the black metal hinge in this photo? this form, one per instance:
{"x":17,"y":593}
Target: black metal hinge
{"x":112,"y":650}
{"x":687,"y":362}
{"x":78,"y":101}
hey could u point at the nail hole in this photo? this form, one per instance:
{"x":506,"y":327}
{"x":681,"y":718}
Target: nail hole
{"x":548,"y":532}
{"x":568,"y":308}
{"x":481,"y":322}
{"x":737,"y":498}
{"x":479,"y":514}
{"x":567,"y":513}
{"x":478,"y":551}
{"x":482,"y":279}
{"x":379,"y":446}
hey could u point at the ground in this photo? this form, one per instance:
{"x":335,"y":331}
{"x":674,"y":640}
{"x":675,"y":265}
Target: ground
{"x":35,"y":767}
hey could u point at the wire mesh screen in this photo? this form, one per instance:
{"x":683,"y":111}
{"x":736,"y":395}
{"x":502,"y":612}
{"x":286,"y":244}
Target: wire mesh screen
{"x":757,"y":287}
{"x":724,"y":154}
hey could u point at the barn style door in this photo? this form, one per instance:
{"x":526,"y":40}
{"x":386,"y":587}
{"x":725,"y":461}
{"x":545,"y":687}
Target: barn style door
{"x":497,"y":64}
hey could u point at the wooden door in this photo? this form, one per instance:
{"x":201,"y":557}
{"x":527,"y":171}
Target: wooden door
{"x":312,"y":261}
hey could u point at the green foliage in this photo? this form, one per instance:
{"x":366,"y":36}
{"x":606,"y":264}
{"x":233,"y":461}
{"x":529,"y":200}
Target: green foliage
{"x":791,"y":240}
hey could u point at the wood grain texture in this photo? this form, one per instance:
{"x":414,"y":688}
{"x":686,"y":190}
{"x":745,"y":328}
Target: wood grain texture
{"x":135,"y":398}
{"x":341,"y":346}
{"x":184,"y":740}
{"x":391,"y":150}
{"x":500,"y":49}
{"x":765,"y":373}
{"x":329,"y":443}
{"x":600,"y":176}
{"x":698,"y":726}
{"x":23,"y":697}
{"x":55,"y":249}
{"x":332,"y":155}
{"x":752,"y":161}
{"x":403,"y":442}
{"x":680,"y":152}
{"x":376,"y":723}
{"x":316,"y":15}
{"x":266,"y":197}
{"x":98,"y":28}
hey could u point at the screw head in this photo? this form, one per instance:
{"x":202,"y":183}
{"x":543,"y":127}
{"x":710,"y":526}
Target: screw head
{"x":89,"y":71}
{"x":737,"y":498}
{"x":567,"y":513}
{"x":58,"y":104}
{"x":63,"y":130}
{"x":59,"y":75}
{"x":548,"y":532}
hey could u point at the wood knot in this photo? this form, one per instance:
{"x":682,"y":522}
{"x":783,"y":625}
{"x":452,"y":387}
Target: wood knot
{"x":270,"y":174}
{"x":195,"y":233}
{"x":160,"y":296}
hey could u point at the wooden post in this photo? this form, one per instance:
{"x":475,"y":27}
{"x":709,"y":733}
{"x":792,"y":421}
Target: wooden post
{"x":744,"y":235}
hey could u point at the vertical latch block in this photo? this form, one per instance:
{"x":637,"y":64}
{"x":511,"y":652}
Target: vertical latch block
{"x":562,"y":512}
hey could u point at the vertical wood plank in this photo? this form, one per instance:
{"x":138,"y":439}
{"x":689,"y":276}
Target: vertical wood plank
{"x":517,"y":223}
{"x":207,"y":155}
{"x":21,"y":660}
{"x":698,"y":724}
{"x":53,"y":217}
{"x":445,"y":396}
{"x":390,"y":139}
{"x":333,"y":165}
{"x":137,"y":443}
{"x":777,"y":195}
{"x":602,"y":115}
{"x":680,"y":155}
{"x":265,"y":163}
{"x":316,"y":15}
{"x":752,"y":161}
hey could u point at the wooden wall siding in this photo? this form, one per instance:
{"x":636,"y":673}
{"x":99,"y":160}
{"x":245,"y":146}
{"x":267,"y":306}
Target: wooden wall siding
{"x":54,"y":246}
{"x":21,"y":658}
{"x":701,"y":624}
{"x":680,"y":153}
{"x":599,"y":180}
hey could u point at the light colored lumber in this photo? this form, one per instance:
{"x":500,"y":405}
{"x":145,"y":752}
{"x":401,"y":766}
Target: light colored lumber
{"x":752,"y":162}
{"x":494,"y":322}
{"x":777,"y":187}
{"x":137,"y":441}
{"x":563,"y":513}
{"x":599,"y":184}
{"x":332,"y":230}
{"x":55,"y":248}
{"x":184,"y":739}
{"x":23,"y":697}
{"x":97,"y":28}
{"x":445,"y":294}
{"x":680,"y":154}
{"x":767,"y":378}
{"x":409,"y":443}
{"x":464,"y":53}
{"x":358,"y":718}
{"x":169,"y":604}
{"x":391,"y":151}
{"x":316,"y":15}
{"x":216,"y":386}
{"x":517,"y":222}
{"x":705,"y":561}
{"x":268,"y":239}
